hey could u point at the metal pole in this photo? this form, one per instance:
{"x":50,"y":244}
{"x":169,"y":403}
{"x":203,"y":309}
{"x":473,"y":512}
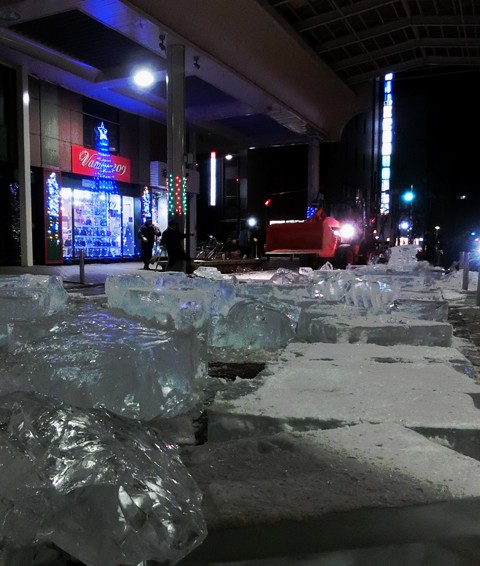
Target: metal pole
{"x":466,"y":270}
{"x":81,"y":265}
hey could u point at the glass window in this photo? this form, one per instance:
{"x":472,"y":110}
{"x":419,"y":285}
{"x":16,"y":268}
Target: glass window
{"x":386,"y":160}
{"x":386,"y":173}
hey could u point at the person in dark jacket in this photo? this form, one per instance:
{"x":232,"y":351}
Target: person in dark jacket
{"x":147,"y":234}
{"x":172,"y":242}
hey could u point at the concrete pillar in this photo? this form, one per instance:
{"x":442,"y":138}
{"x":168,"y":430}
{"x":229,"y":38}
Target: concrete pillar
{"x":313,"y":193}
{"x":24,"y":179}
{"x":176,"y":114}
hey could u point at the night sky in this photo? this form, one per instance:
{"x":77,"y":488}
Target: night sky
{"x":436,"y":147}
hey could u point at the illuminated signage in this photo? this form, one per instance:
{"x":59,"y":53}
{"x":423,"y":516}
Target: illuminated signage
{"x":90,"y":162}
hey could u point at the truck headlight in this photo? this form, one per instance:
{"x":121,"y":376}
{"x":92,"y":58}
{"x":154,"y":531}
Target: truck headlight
{"x":347,"y":231}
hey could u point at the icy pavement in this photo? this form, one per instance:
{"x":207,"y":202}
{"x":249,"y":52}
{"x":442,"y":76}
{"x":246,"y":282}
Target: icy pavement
{"x":336,"y":385}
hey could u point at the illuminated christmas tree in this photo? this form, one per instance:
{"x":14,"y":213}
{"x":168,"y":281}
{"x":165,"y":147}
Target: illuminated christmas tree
{"x":105,"y":174}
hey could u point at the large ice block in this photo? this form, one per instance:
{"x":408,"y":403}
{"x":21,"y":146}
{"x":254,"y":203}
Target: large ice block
{"x":384,"y":331}
{"x":89,"y":357}
{"x":172,"y":299}
{"x":251,"y":327}
{"x":28,"y":296}
{"x":104,"y":489}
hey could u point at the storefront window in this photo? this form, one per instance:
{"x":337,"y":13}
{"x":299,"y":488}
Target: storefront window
{"x":92,"y":223}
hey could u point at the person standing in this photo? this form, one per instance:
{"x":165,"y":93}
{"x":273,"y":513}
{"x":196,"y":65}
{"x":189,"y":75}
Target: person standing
{"x":172,"y":242}
{"x":244,"y":242}
{"x":147,"y":234}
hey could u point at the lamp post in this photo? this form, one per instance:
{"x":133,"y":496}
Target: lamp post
{"x":408,"y":197}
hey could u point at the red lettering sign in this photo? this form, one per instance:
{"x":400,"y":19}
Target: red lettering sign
{"x":89,"y":162}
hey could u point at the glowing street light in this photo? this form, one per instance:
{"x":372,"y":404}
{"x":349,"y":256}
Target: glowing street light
{"x":408,"y":196}
{"x":143,"y":78}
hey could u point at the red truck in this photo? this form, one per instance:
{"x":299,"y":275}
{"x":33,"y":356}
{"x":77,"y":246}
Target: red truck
{"x":315,"y":240}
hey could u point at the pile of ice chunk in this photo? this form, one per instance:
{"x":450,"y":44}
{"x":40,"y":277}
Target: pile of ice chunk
{"x":239,"y":319}
{"x":103,"y":489}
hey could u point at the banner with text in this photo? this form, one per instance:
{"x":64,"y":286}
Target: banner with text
{"x":87,"y":161}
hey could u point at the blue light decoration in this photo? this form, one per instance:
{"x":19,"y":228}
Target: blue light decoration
{"x":146,"y":204}
{"x":105,"y":172}
{"x":53,"y":236}
{"x":387,"y":144}
{"x":310,"y":211}
{"x":98,"y":211}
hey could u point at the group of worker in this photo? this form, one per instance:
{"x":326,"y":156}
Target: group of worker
{"x":170,"y":239}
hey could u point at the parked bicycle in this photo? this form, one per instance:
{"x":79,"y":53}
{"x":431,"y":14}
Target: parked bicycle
{"x":209,"y":249}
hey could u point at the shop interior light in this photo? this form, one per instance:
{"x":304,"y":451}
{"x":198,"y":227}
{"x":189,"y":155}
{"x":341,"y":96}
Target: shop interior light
{"x":229,"y":157}
{"x":143,"y":78}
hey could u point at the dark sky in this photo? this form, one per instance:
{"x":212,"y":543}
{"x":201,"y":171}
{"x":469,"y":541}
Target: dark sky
{"x":437,"y":149}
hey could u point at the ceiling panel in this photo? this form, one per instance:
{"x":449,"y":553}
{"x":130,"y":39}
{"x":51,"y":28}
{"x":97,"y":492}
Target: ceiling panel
{"x":365,"y":39}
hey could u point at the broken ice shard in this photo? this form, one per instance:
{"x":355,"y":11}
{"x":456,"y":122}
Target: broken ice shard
{"x":92,"y":358}
{"x":101,"y":488}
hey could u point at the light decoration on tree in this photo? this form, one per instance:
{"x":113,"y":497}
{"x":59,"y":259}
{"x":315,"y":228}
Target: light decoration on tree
{"x":146,"y":204}
{"x":53,"y":209}
{"x":105,"y":172}
{"x":177,"y":194}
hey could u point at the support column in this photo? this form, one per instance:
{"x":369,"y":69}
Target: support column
{"x":176,"y":116}
{"x":313,"y":193}
{"x":24,"y":179}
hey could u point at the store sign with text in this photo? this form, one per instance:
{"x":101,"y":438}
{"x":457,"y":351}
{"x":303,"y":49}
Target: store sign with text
{"x":90,"y":162}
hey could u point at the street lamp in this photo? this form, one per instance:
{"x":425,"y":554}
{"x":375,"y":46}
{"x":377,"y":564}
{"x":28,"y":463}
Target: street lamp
{"x":408,"y":197}
{"x":405,"y":226}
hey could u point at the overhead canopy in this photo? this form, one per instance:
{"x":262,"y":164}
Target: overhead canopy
{"x":257,"y":72}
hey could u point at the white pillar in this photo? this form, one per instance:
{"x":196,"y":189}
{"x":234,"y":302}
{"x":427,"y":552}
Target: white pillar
{"x":25,"y":187}
{"x":313,"y":193}
{"x":176,"y":113}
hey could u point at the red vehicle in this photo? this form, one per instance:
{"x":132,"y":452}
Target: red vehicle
{"x":316,"y":241}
